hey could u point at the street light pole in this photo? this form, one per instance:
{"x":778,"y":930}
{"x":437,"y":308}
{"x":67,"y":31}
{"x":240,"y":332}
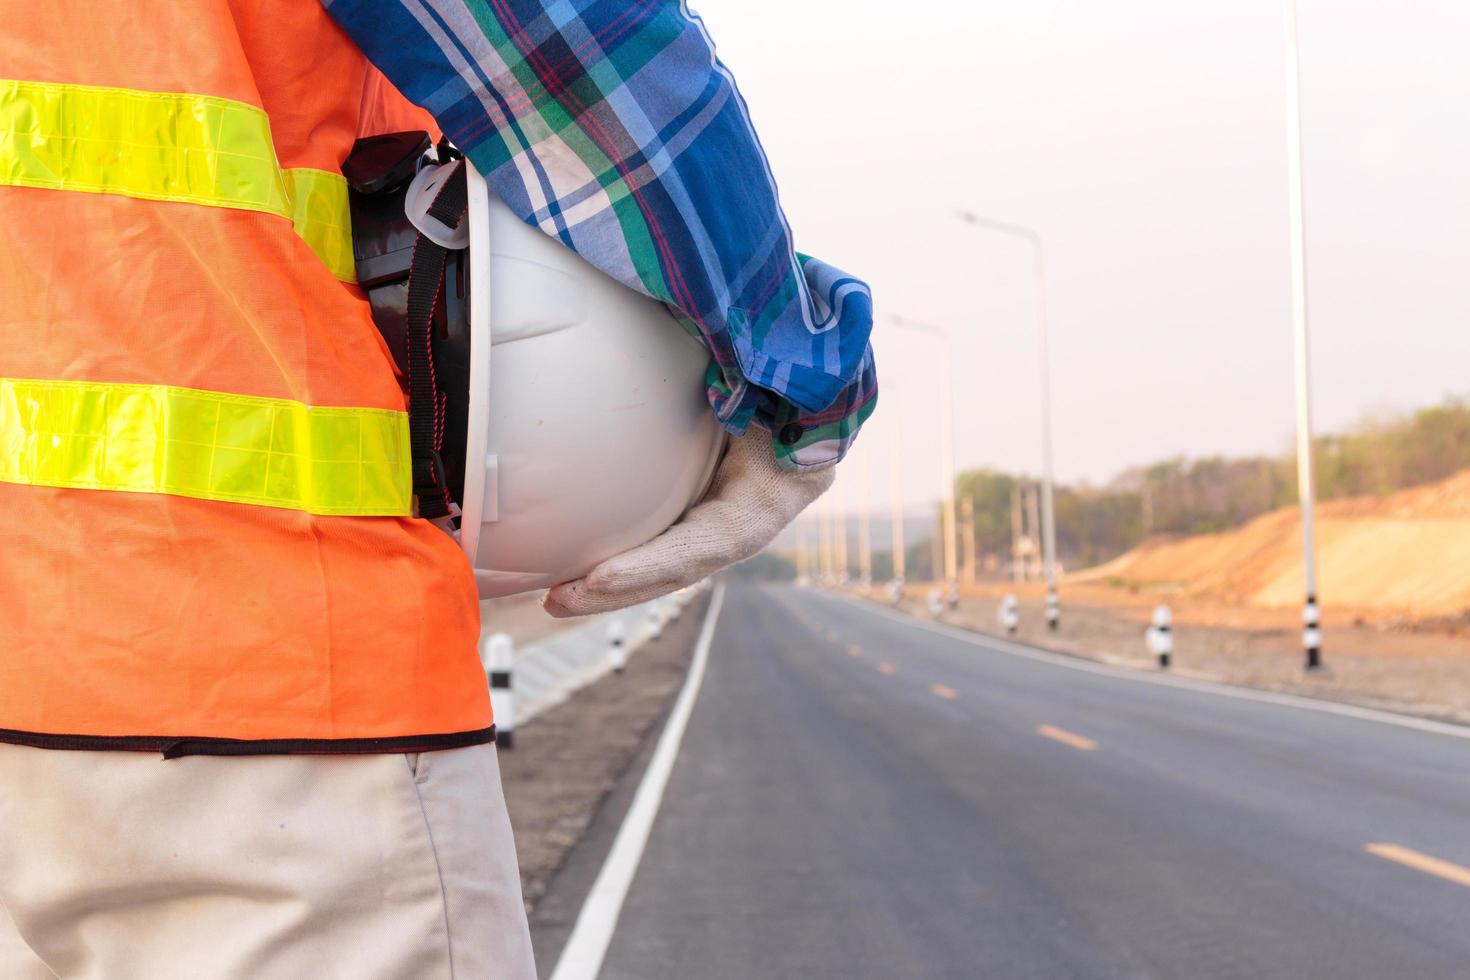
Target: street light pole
{"x":1018,"y":523}
{"x":824,"y":539}
{"x":967,"y":538}
{"x":840,"y":493}
{"x":865,"y":528}
{"x":1048,"y":500}
{"x":896,"y":477}
{"x":1306,"y":484}
{"x":803,"y":563}
{"x":946,"y":449}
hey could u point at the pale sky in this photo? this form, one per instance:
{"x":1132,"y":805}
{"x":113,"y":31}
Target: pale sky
{"x":1145,"y":141}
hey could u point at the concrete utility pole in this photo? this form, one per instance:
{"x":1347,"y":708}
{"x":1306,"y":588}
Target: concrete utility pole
{"x":1049,"y":528}
{"x":1018,"y":532}
{"x":1306,"y":484}
{"x":936,"y":553}
{"x":865,"y":528}
{"x":824,"y":537}
{"x":896,"y":478}
{"x":841,"y":531}
{"x":803,"y":563}
{"x":1033,"y":499}
{"x":946,"y":447}
{"x":967,"y":539}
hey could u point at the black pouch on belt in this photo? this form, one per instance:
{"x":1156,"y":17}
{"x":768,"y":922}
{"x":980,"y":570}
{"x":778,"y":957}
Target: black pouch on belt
{"x":428,"y":338}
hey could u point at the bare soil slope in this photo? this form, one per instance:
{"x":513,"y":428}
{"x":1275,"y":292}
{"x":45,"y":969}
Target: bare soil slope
{"x":1406,"y":555}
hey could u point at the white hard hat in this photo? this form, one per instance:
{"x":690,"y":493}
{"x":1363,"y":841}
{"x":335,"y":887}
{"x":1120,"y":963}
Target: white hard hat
{"x":589,"y":431}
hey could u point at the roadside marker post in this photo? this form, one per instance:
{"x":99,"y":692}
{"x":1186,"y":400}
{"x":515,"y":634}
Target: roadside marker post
{"x":1160,"y":636}
{"x":1009,"y":614}
{"x":1053,"y":609}
{"x":617,"y":651}
{"x":499,"y":661}
{"x":936,"y":601}
{"x":1312,"y":633}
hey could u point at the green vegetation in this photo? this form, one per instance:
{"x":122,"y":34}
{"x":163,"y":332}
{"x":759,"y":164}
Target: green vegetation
{"x":1383,"y":456}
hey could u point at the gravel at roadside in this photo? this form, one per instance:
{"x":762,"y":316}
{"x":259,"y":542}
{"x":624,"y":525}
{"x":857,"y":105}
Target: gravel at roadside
{"x":1425,"y":675}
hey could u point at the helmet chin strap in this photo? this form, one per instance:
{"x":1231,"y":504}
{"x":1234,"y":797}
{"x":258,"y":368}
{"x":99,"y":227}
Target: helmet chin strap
{"x":426,"y":396}
{"x":409,"y":232}
{"x":481,"y":497}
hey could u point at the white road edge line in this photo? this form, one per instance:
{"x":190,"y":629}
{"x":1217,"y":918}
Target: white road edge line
{"x":1123,"y":673}
{"x":581,"y":958}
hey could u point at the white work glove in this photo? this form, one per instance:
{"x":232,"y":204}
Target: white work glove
{"x":751,"y":499}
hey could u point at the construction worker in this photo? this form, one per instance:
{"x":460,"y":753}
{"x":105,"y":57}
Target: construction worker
{"x":243,"y":727}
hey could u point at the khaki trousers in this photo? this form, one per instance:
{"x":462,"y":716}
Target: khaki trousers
{"x":120,"y":865}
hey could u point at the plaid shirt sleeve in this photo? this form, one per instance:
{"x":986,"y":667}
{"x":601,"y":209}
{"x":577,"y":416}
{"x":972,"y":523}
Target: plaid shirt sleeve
{"x":611,"y":125}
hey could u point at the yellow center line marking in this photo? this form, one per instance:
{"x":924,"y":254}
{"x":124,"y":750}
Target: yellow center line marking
{"x":948,"y":693}
{"x":886,"y":670}
{"x":1421,"y":862}
{"x":1079,"y":742}
{"x":854,"y":651}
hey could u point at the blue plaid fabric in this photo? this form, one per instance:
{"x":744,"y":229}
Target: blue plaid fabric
{"x":611,"y":125}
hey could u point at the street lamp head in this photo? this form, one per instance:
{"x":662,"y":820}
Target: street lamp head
{"x":1002,"y":227}
{"x":908,"y":323}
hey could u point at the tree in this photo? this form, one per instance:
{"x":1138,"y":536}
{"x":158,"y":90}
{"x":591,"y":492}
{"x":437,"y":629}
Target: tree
{"x":1215,"y":493}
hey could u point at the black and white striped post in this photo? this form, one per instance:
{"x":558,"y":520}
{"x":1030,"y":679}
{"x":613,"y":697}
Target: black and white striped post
{"x":499,"y":662}
{"x":1009,"y":614}
{"x":1161,"y":636}
{"x":617,"y":650}
{"x":1053,"y":609}
{"x":656,"y":618}
{"x":1312,"y":633}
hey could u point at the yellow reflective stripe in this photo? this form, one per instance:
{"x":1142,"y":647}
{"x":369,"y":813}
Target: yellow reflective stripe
{"x":319,"y":210}
{"x":155,"y":145}
{"x":160,"y":146}
{"x":205,"y":444}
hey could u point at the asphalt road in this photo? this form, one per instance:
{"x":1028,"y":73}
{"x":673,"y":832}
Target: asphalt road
{"x":857,"y":796}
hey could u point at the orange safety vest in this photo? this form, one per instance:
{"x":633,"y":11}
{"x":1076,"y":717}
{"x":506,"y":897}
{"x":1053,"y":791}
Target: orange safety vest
{"x":206,"y":533}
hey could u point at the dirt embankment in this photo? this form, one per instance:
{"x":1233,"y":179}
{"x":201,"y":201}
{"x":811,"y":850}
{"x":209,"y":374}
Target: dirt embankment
{"x":1404,"y":557}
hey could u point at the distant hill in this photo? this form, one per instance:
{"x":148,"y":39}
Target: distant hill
{"x":1186,"y":496}
{"x":1200,"y":495}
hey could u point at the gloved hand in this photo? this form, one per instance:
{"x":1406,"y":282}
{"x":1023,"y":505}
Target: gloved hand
{"x":751,"y":499}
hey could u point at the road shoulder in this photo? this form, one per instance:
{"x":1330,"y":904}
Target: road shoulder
{"x":563,"y":780}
